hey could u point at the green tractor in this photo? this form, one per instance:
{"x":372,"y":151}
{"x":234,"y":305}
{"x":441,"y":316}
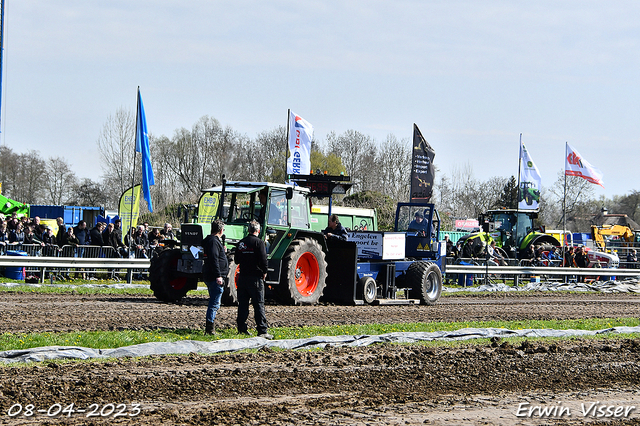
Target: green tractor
{"x":528,"y":193}
{"x":513,"y":232}
{"x":296,"y":253}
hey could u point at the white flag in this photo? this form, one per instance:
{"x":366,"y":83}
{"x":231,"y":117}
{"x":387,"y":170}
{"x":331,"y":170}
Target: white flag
{"x":575,"y":165}
{"x":530,"y":182}
{"x":300,"y":135}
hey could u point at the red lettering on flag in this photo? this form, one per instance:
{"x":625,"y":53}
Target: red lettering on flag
{"x":574,"y":159}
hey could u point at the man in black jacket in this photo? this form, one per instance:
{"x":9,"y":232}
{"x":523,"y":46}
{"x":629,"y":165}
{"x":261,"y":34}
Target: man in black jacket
{"x":335,"y":229}
{"x":251,"y":256}
{"x":214,"y":272}
{"x":96,"y":234}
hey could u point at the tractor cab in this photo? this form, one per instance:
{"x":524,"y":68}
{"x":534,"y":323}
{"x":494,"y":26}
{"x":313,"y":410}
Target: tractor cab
{"x":421,"y":223}
{"x":508,"y":227}
{"x":277,"y":208}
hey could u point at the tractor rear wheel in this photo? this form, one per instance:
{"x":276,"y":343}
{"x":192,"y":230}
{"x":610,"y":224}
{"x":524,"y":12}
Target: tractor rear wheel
{"x":230,"y":292}
{"x":304,"y":273}
{"x":166,"y":283}
{"x":425,"y":281}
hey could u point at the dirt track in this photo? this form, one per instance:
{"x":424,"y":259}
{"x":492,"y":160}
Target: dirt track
{"x":384,"y":384}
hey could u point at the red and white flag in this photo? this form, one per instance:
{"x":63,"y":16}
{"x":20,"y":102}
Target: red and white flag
{"x":575,"y":165}
{"x":300,"y":136}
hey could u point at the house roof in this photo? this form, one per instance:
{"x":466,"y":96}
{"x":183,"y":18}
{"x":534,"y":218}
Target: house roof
{"x":615,"y":219}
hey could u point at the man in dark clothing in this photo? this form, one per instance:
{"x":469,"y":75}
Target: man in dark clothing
{"x":49,"y":240}
{"x":62,"y":230}
{"x":141,"y":242}
{"x":96,"y":235}
{"x":335,"y":229}
{"x":214,"y":272}
{"x":251,"y":256}
{"x":117,"y":229}
{"x":418,"y":224}
{"x":632,"y":259}
{"x":82,"y":233}
{"x":582,"y":261}
{"x":110,"y":238}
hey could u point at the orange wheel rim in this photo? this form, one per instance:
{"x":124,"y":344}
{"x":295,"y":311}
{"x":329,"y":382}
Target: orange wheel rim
{"x":178,"y":283}
{"x":307,"y":274}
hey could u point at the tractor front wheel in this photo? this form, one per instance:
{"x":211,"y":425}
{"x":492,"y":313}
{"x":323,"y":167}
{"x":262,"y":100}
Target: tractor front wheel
{"x":166,"y":283}
{"x":304,"y":273}
{"x":425,"y":281}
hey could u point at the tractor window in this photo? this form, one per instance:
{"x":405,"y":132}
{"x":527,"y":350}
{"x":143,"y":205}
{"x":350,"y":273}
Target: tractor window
{"x":240,"y":208}
{"x":278,"y":208}
{"x":299,"y":211}
{"x":525,"y":225}
{"x":413,"y":218}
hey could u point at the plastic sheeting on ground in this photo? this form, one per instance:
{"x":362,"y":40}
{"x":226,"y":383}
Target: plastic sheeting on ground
{"x":631,"y":285}
{"x":233,"y":345}
{"x":624,"y":286}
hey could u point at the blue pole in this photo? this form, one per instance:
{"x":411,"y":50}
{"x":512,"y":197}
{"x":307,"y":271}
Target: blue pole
{"x":1,"y":55}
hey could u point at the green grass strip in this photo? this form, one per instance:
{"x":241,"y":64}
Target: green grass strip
{"x":115,"y":339}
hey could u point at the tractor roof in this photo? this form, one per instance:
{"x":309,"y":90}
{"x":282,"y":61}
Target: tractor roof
{"x":514,"y":211}
{"x":247,"y":187}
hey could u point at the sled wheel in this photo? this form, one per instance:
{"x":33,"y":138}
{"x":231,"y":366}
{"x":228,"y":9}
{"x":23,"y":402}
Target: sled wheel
{"x":230,"y":292}
{"x":367,"y":290}
{"x":304,"y":273}
{"x":166,"y":284}
{"x":425,"y":280}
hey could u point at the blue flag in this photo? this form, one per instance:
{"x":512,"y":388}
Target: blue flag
{"x":142,"y":146}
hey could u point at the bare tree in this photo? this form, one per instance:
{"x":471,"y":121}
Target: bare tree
{"x":627,"y":204}
{"x":90,"y":193}
{"x":358,"y":153}
{"x":393,"y":165}
{"x":116,"y":145}
{"x":265,"y":158}
{"x":28,"y":181}
{"x":194,"y":160}
{"x":579,"y":201}
{"x":219,"y":150}
{"x":59,"y":180}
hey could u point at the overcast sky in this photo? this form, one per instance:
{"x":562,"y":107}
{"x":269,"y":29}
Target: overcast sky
{"x":472,"y":75}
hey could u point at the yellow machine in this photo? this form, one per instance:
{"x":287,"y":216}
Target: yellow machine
{"x":623,"y":233}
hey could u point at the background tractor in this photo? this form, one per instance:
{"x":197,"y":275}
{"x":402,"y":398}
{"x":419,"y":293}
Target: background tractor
{"x":512,"y":230}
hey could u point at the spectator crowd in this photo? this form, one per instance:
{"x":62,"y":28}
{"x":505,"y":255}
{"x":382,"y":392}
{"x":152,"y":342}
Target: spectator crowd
{"x":140,"y":241}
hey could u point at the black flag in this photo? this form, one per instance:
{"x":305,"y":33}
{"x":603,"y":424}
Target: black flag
{"x":422,"y":169}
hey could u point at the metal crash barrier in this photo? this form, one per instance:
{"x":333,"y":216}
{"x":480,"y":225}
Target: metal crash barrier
{"x":525,"y":270}
{"x":42,"y":260}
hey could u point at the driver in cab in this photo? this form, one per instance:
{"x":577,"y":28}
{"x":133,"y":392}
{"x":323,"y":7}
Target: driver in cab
{"x":418,"y":224}
{"x":275,"y":215}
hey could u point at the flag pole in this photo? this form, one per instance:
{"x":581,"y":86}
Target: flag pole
{"x":564,"y":209}
{"x":133,"y":176}
{"x":286,"y":145}
{"x":1,"y":54}
{"x":515,"y":238}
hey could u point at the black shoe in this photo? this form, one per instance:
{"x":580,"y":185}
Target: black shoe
{"x":209,"y":328}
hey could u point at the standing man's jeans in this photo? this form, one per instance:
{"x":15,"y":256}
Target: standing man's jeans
{"x":215,"y":294}
{"x":251,"y":288}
